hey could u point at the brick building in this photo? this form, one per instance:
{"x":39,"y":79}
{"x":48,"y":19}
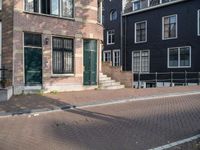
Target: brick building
{"x":51,"y":45}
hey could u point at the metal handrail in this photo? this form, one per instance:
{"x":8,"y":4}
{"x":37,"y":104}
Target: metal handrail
{"x":172,"y":77}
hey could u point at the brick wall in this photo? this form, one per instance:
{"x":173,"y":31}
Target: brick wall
{"x":7,"y":36}
{"x":124,"y":77}
{"x":83,"y":26}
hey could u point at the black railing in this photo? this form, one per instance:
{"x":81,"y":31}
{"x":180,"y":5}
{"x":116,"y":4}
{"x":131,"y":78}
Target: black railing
{"x":4,"y":74}
{"x":160,"y":79}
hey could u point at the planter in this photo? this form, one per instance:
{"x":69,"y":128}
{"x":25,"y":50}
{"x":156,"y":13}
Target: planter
{"x":6,"y":93}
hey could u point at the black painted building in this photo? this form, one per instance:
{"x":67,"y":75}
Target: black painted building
{"x":112,"y":31}
{"x":162,"y":36}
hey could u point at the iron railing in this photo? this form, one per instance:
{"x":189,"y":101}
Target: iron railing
{"x":158,"y":79}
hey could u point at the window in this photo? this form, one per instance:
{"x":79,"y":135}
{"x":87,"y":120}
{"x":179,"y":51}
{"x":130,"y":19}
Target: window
{"x":198,"y":24}
{"x":0,"y":4}
{"x":116,"y":57}
{"x":63,"y":55}
{"x":0,"y":45}
{"x":179,"y":57}
{"x":107,"y":56}
{"x":113,"y":15}
{"x":141,"y":32}
{"x":99,"y":12}
{"x":154,"y":2}
{"x":111,"y":37}
{"x":61,"y":8}
{"x":141,"y":61}
{"x":140,"y":4}
{"x":169,"y":27}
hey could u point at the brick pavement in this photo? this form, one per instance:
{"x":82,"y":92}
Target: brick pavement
{"x":81,"y":98}
{"x":135,"y":126}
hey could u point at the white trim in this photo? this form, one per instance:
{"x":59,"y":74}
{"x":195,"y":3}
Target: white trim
{"x":115,"y":51}
{"x":104,"y":53}
{"x":153,"y":7}
{"x":140,"y":51}
{"x":198,"y":22}
{"x":112,"y":37}
{"x":145,"y":21}
{"x":190,"y":50}
{"x":163,"y":29}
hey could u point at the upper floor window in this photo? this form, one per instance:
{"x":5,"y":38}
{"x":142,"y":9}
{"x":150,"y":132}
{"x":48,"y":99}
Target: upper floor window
{"x":141,"y":4}
{"x":169,"y":27}
{"x":61,"y":8}
{"x":113,"y":15}
{"x":198,"y":24}
{"x":111,"y":37}
{"x":141,"y":32}
{"x":179,"y":57}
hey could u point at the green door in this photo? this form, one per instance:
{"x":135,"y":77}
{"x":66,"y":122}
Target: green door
{"x":33,"y":66}
{"x":90,"y":62}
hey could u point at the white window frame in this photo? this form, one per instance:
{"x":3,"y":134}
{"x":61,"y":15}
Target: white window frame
{"x":112,"y":37}
{"x":104,"y":55}
{"x":115,"y":51}
{"x":145,"y":32}
{"x":140,"y":51}
{"x":198,"y":22}
{"x":168,"y":66}
{"x":163,"y":29}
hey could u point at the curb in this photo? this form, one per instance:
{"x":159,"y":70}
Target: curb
{"x":36,"y":112}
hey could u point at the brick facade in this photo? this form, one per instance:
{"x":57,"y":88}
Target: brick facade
{"x":83,"y":26}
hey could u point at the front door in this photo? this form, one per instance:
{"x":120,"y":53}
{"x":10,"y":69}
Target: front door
{"x":90,"y":62}
{"x":33,"y":59}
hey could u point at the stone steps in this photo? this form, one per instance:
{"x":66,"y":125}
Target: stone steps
{"x":106,"y":82}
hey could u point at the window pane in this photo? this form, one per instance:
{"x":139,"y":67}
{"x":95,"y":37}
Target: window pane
{"x":185,"y":56}
{"x":67,"y":6}
{"x":32,"y":5}
{"x":136,"y":61}
{"x":170,"y":27}
{"x":55,"y":7}
{"x":173,"y":57}
{"x":45,"y":6}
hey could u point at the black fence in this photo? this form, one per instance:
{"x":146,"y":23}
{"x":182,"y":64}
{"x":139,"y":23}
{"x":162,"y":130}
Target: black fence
{"x":4,"y":77}
{"x":161,"y":79}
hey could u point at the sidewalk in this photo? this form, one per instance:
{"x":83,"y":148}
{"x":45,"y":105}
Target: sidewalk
{"x":26,"y":104}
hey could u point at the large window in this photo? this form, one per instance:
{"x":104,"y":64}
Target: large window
{"x":111,"y":37}
{"x":179,"y":57}
{"x":141,"y":32}
{"x":61,"y":8}
{"x":169,"y":27}
{"x":63,"y":56}
{"x":141,"y":61}
{"x":107,"y":56}
{"x":198,"y":24}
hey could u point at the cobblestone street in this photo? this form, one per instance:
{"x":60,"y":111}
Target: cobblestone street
{"x":130,"y":126}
